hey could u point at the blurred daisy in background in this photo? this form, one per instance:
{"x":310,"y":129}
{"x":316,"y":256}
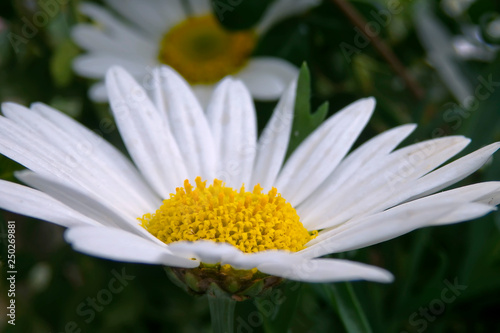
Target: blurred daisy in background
{"x":203,"y":189}
{"x":186,"y":36}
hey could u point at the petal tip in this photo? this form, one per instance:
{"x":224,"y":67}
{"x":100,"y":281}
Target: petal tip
{"x":371,"y":102}
{"x":8,"y":105}
{"x":115,"y":71}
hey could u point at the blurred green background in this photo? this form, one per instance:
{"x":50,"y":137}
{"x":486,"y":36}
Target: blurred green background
{"x":441,"y":45}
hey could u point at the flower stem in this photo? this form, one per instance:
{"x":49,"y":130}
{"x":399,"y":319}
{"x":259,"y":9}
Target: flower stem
{"x":222,"y":313}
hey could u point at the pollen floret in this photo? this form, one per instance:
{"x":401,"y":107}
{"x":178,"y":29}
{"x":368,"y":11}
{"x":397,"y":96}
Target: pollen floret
{"x":251,"y":221}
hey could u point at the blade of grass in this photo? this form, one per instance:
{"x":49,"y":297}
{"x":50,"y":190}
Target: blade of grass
{"x":343,"y":299}
{"x":284,"y":302}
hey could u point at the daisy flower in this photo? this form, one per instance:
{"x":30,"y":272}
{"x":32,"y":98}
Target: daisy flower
{"x":204,"y":195}
{"x":192,"y":42}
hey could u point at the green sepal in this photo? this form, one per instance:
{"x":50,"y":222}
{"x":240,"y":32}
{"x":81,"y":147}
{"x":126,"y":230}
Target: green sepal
{"x":236,"y":284}
{"x":192,"y":282}
{"x":255,"y":289}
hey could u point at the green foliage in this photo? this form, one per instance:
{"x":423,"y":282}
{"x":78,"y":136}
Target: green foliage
{"x":304,"y":123}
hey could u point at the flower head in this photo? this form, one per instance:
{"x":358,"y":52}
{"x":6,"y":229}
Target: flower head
{"x":209,"y":198}
{"x":192,"y":42}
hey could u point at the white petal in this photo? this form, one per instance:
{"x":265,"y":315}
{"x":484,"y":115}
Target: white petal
{"x":466,"y":195}
{"x":145,"y":133}
{"x":82,"y":158}
{"x":327,"y":270}
{"x":452,"y":172}
{"x":232,"y":118}
{"x":120,"y":166}
{"x":199,"y":7}
{"x":205,"y":251}
{"x":98,"y":92}
{"x":213,"y":252}
{"x":380,"y":185}
{"x":281,"y":9}
{"x":464,"y":213}
{"x":27,"y":201}
{"x":440,"y":178}
{"x":491,"y":199}
{"x":478,"y":199}
{"x":252,"y":260}
{"x":120,"y":245}
{"x":172,"y":11}
{"x":34,"y":153}
{"x":273,"y":142}
{"x":121,"y":45}
{"x":24,"y":147}
{"x":267,"y":77}
{"x":111,"y":35}
{"x":188,"y":123}
{"x":470,"y":193}
{"x":95,"y":66}
{"x":380,"y":145}
{"x":321,"y":152}
{"x":203,"y":93}
{"x":373,"y":229}
{"x":85,"y":204}
{"x":353,"y":164}
{"x":150,"y":15}
{"x":90,"y":38}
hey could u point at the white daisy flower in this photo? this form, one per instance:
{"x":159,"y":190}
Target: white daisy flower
{"x":193,"y":43}
{"x":323,"y":199}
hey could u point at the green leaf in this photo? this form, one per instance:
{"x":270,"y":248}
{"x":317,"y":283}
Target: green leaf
{"x":304,"y":122}
{"x":342,"y":298}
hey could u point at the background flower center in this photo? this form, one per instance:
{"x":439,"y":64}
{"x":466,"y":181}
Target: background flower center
{"x":251,"y":221}
{"x":204,"y":52}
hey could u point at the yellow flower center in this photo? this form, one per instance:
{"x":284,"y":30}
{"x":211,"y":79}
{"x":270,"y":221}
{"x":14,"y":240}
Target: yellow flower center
{"x":251,"y":221}
{"x":203,"y":52}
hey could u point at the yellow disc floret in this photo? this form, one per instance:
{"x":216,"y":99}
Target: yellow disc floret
{"x":203,"y":52}
{"x":251,"y":221}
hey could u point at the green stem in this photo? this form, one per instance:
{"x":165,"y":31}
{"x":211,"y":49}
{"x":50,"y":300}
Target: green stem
{"x":222,"y":313}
